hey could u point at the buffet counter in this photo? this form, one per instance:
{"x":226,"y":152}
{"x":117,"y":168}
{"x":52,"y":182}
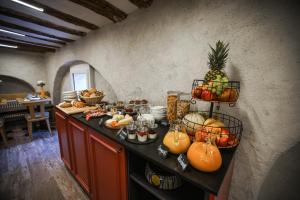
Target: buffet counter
{"x":108,"y":167}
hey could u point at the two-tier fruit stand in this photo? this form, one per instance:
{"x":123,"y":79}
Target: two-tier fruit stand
{"x":203,"y":91}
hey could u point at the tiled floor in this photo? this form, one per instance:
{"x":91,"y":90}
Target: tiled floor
{"x":34,"y":170}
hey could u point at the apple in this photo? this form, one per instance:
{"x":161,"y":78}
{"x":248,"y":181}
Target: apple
{"x":201,"y":135}
{"x":206,"y":95}
{"x":196,"y":93}
{"x":223,"y":138}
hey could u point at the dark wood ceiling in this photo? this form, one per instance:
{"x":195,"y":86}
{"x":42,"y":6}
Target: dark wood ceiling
{"x":61,"y":22}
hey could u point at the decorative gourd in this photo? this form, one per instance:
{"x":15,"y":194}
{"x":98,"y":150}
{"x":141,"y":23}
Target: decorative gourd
{"x":177,"y":142}
{"x":192,"y":122}
{"x":204,"y":157}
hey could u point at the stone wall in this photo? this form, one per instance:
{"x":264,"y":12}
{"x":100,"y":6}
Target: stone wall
{"x":26,"y":66}
{"x":165,"y":47}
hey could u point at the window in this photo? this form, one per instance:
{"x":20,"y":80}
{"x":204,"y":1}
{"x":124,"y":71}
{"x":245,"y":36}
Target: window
{"x":82,"y":77}
{"x":80,"y":81}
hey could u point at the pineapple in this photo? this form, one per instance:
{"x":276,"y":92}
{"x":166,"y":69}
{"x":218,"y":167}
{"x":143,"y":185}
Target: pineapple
{"x":217,"y":60}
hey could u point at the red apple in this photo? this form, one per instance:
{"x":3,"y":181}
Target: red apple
{"x":206,"y":95}
{"x":196,"y":93}
{"x":201,"y":136}
{"x":224,"y":136}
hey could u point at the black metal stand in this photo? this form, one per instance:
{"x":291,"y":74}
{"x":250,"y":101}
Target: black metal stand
{"x":211,"y":110}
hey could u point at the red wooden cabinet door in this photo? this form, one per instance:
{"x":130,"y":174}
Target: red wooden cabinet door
{"x":78,"y":136}
{"x":64,"y":143}
{"x":108,"y":167}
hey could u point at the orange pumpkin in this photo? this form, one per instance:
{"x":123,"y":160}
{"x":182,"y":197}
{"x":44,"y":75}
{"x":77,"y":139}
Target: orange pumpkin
{"x":177,"y":142}
{"x":204,"y":157}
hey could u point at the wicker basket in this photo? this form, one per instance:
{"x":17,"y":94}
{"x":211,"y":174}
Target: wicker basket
{"x":161,"y":179}
{"x":92,"y":100}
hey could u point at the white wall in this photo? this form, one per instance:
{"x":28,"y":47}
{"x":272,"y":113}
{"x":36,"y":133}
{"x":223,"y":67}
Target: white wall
{"x":165,"y":47}
{"x":29,"y":67}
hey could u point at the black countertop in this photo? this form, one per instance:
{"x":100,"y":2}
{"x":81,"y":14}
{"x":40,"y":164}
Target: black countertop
{"x":210,"y":182}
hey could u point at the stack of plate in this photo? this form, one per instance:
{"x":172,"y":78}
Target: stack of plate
{"x":69,"y":95}
{"x":158,"y":112}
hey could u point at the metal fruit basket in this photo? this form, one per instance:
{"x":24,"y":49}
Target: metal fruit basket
{"x":216,"y":91}
{"x":233,"y":129}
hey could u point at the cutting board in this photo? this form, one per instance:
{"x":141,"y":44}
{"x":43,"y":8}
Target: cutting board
{"x":74,"y":110}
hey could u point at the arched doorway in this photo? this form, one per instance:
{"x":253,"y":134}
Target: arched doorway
{"x":101,"y":82}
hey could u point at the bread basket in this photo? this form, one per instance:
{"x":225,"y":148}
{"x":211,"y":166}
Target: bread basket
{"x":92,"y":100}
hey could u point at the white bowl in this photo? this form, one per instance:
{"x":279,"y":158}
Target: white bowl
{"x":158,"y":108}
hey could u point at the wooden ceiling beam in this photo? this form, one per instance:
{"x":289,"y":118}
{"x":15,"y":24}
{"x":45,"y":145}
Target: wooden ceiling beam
{"x":27,"y":47}
{"x":32,"y":19}
{"x":103,"y":8}
{"x":48,"y":40}
{"x":63,"y":16}
{"x":27,"y":42}
{"x":142,"y":3}
{"x":29,"y":30}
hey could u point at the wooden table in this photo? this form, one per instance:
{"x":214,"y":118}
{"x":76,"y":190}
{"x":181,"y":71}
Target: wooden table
{"x":33,"y":116}
{"x":23,"y":101}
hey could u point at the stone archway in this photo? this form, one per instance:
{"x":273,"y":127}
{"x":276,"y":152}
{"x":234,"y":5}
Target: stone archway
{"x":64,"y":69}
{"x":12,"y":84}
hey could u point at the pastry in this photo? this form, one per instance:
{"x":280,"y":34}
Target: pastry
{"x":65,"y":105}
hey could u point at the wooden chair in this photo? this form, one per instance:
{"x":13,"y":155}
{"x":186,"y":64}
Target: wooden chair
{"x":36,"y":116}
{"x":2,"y":130}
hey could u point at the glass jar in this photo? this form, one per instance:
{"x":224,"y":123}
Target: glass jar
{"x":142,"y":133}
{"x":172,"y":105}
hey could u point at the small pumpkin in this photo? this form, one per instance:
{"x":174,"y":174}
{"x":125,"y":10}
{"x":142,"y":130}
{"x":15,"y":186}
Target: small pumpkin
{"x":177,"y":142}
{"x":204,"y":157}
{"x":192,"y":122}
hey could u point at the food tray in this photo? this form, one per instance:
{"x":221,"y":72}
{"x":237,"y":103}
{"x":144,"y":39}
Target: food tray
{"x":111,"y":127}
{"x":232,"y":124}
{"x":203,"y":91}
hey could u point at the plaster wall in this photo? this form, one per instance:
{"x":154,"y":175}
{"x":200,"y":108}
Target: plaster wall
{"x":26,"y":66}
{"x":165,"y":47}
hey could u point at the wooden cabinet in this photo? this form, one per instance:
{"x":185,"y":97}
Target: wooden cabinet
{"x":96,"y":162}
{"x":108,"y":168}
{"x":78,"y":137}
{"x":63,"y":137}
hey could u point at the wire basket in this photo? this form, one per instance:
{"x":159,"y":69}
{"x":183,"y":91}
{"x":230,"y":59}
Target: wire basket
{"x":225,"y":137}
{"x":216,"y":91}
{"x":92,"y":100}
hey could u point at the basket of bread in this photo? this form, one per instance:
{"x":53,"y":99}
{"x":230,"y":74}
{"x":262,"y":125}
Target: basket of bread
{"x":91,"y":96}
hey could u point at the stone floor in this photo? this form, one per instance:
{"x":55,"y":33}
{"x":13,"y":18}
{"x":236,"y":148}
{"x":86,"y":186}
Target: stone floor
{"x":34,"y":170}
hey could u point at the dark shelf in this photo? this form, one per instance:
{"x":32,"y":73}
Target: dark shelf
{"x":187,"y":191}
